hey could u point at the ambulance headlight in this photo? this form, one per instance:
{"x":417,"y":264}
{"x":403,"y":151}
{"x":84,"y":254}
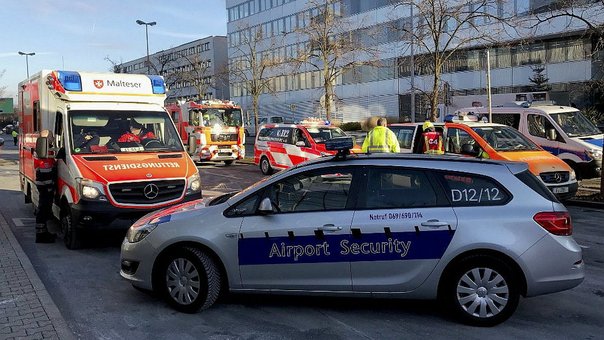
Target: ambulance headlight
{"x":194,"y":184}
{"x":90,"y":192}
{"x":139,"y":233}
{"x":595,"y":154}
{"x":573,"y":175}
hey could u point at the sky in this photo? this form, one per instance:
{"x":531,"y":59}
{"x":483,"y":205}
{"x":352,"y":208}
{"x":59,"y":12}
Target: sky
{"x":79,"y":34}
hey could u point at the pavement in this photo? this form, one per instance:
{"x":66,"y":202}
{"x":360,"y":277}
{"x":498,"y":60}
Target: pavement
{"x":26,"y":309}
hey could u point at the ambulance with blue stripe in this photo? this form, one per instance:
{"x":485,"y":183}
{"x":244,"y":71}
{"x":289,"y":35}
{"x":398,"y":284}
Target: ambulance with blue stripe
{"x":562,"y":130}
{"x":116,"y":152}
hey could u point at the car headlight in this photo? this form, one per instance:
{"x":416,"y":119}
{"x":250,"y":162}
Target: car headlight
{"x":595,"y":154}
{"x":139,"y":233}
{"x":573,"y":175}
{"x":194,"y":184}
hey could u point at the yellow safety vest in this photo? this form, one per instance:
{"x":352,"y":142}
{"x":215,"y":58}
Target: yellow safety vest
{"x":380,"y":139}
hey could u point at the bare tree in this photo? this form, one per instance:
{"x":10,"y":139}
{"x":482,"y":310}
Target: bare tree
{"x":196,"y":73}
{"x":2,"y":88}
{"x":333,"y":46}
{"x":116,"y":67}
{"x":251,"y":66}
{"x":441,"y":28}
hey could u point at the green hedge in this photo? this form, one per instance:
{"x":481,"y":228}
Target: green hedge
{"x":351,"y":126}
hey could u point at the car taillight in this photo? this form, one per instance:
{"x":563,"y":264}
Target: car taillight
{"x":557,"y":223}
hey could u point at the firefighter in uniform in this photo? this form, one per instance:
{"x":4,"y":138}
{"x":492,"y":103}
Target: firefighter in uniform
{"x":433,"y":141}
{"x":381,"y":139}
{"x":45,"y":183}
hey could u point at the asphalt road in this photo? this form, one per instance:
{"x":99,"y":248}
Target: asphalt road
{"x":98,"y":304}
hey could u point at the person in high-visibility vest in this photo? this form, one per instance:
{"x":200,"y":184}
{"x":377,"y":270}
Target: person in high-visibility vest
{"x":15,"y":135}
{"x":433,"y":141}
{"x":381,"y":139}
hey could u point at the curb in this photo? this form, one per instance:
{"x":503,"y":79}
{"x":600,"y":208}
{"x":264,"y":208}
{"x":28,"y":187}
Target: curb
{"x":54,"y":315}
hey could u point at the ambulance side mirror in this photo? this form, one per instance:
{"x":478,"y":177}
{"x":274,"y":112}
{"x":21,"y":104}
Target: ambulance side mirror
{"x":551,"y":134}
{"x":42,"y":147}
{"x":192,"y":144}
{"x":470,"y":149}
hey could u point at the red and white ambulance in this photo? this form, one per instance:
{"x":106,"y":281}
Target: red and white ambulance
{"x":103,"y":182}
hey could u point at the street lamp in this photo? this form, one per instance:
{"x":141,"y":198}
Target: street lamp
{"x":27,"y":60}
{"x":147,"y":24}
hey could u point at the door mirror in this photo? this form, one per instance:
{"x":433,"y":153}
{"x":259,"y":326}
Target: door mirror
{"x":42,"y":147}
{"x":470,"y":150}
{"x":551,"y":134}
{"x":266,"y":206}
{"x":192,"y":144}
{"x":300,"y":144}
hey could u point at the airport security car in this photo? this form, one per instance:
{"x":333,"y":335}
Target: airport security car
{"x":476,"y":234}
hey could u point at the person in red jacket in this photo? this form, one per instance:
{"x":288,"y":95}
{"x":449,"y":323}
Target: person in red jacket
{"x":136,"y":134}
{"x":433,"y":141}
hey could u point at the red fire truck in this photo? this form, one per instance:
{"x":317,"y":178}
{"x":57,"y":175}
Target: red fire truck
{"x":213,"y":130}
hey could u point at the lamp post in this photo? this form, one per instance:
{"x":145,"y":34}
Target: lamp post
{"x":27,"y":60}
{"x":147,"y":24}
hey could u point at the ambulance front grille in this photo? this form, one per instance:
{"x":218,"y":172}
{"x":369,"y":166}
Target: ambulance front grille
{"x":224,"y":137}
{"x":148,"y":192}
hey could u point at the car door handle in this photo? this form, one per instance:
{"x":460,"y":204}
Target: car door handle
{"x":330,"y":227}
{"x":434,"y":224}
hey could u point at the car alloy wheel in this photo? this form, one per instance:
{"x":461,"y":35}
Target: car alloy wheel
{"x":265,"y":166}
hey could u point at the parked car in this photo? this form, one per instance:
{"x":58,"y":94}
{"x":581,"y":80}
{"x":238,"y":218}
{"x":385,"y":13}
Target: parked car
{"x":1,"y":141}
{"x":495,"y":141}
{"x":476,"y":234}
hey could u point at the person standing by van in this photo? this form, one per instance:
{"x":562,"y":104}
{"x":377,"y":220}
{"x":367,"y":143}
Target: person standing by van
{"x":45,"y":184}
{"x":381,"y":139}
{"x":15,"y":135}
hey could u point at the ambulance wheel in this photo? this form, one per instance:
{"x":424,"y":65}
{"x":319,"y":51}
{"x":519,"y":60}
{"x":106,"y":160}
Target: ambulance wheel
{"x":265,"y":166}
{"x":71,"y":234}
{"x":229,"y":162}
{"x":481,"y":290}
{"x":188,"y":279}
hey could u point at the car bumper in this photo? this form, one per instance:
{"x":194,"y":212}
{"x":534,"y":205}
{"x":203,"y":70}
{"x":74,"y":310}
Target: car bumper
{"x":136,"y":263}
{"x":555,"y":263}
{"x":103,"y":215}
{"x":564,"y":191}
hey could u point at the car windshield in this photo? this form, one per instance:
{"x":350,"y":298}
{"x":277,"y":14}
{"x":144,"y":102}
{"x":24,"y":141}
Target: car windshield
{"x":321,"y":134}
{"x":213,"y":117}
{"x":575,"y":124}
{"x":122,"y":131}
{"x":505,"y":138}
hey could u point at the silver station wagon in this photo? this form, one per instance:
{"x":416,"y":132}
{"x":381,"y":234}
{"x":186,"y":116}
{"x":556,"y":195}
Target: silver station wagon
{"x":476,"y":234}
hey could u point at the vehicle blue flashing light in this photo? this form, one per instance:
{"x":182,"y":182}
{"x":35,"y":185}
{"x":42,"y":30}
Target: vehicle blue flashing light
{"x":449,"y":118}
{"x":70,"y":80}
{"x":158,"y":85}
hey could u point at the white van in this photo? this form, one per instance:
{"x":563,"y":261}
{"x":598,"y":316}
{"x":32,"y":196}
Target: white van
{"x":562,"y":130}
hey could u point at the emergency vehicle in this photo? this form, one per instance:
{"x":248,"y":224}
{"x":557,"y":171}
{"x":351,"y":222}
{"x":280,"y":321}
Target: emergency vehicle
{"x":467,"y":136}
{"x":280,"y":146}
{"x":562,"y":130}
{"x":102,"y":183}
{"x":213,"y":130}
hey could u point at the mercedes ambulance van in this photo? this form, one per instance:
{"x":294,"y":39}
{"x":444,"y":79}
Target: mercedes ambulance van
{"x":107,"y":176}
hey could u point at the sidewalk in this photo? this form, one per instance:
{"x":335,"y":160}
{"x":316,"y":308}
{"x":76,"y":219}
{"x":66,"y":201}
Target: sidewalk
{"x":26,"y":309}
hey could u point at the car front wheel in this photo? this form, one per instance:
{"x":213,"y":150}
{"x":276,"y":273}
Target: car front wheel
{"x":189,"y":280}
{"x":265,"y":166}
{"x":481,"y":291}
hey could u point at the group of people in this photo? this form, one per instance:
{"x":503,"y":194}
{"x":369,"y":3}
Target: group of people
{"x":382,"y":139}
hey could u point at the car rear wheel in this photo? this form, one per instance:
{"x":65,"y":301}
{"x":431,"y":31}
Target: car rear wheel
{"x":481,"y":291}
{"x":189,"y":280}
{"x":265,"y":166}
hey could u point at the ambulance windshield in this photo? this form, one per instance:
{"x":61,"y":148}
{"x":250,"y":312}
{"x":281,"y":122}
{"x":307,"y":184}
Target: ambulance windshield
{"x":122,"y":131}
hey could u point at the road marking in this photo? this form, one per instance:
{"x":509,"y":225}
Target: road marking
{"x":23,"y":221}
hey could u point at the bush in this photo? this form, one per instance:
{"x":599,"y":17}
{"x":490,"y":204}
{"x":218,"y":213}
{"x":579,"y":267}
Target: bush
{"x":351,"y":126}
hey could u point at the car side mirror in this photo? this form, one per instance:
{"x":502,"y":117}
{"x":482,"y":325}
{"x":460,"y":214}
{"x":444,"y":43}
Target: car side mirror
{"x":42,"y":147}
{"x":551,"y":134}
{"x":192,"y":144}
{"x":300,"y":144}
{"x":266,"y":206}
{"x":470,"y":150}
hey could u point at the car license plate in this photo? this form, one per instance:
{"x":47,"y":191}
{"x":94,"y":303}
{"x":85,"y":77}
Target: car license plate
{"x":560,"y":190}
